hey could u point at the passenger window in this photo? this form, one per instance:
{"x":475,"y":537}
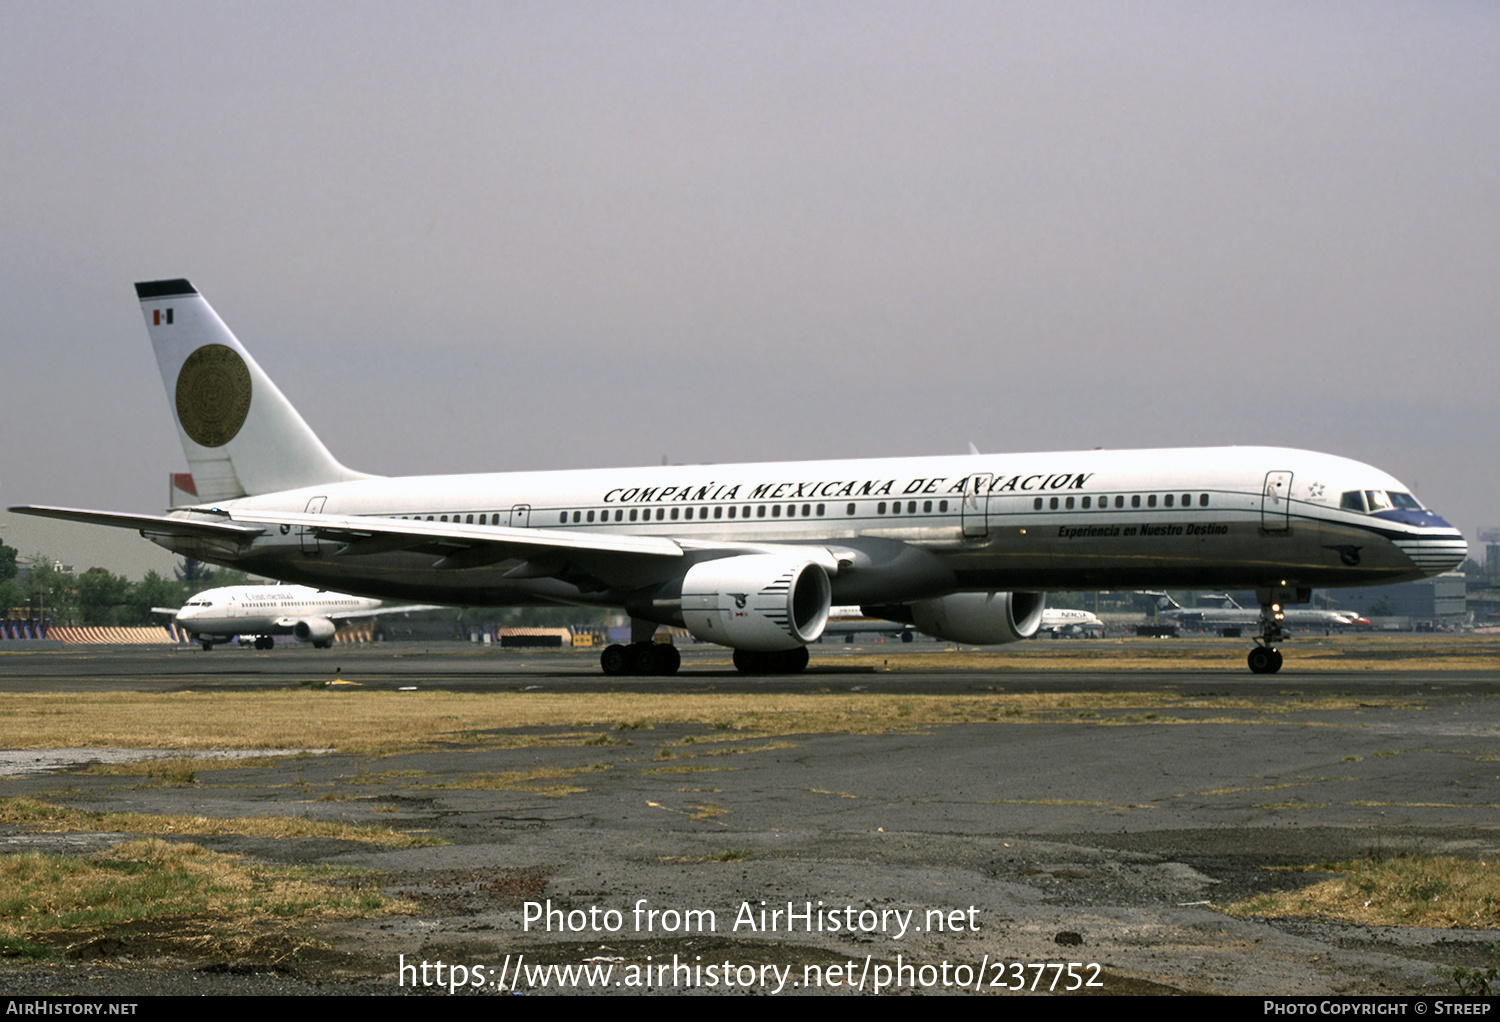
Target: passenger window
{"x":1151,"y":500}
{"x":1068,"y":503}
{"x":1203,"y":500}
{"x":1169,"y":500}
{"x":1036,"y":505}
{"x":1135,"y":500}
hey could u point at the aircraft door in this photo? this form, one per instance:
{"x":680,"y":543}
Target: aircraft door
{"x":520,"y":516}
{"x":311,"y":546}
{"x":976,"y":505}
{"x":1275,"y":502}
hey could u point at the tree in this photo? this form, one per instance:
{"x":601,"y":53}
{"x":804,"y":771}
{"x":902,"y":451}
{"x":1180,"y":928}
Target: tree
{"x":101,"y":597}
{"x":50,"y":592}
{"x":152,"y":591}
{"x":11,"y":594}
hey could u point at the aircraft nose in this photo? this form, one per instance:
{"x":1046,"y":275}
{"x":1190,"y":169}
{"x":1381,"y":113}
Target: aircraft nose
{"x":1438,"y":548}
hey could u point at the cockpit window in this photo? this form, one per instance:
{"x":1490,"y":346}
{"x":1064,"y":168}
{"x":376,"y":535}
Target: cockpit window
{"x":1372,"y":501}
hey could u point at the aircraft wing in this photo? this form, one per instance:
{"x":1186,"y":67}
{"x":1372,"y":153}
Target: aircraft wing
{"x":457,"y":545}
{"x":149,"y":525}
{"x":542,"y":552}
{"x":382,"y":611}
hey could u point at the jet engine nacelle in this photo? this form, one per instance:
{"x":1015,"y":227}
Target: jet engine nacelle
{"x":314,"y":629}
{"x":757,"y":602}
{"x":983,"y":619}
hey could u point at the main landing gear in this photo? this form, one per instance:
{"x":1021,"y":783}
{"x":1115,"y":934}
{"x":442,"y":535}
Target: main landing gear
{"x":1265,"y":658}
{"x":640,"y":658}
{"x":782,"y":661}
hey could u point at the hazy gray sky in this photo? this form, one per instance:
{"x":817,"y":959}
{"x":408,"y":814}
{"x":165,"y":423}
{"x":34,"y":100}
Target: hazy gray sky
{"x":486,"y":236}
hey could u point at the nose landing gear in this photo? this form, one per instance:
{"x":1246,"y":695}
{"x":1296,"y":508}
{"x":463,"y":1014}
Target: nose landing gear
{"x":1265,"y":658}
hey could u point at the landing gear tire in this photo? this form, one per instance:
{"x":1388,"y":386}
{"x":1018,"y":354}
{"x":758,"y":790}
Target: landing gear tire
{"x":613,"y":660}
{"x":265,"y":642}
{"x":783,"y":661}
{"x":1264,"y":660}
{"x":640,"y":658}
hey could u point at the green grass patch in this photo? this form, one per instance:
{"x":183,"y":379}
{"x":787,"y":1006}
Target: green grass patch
{"x":1393,"y":890}
{"x":148,"y":879}
{"x":36,"y":815}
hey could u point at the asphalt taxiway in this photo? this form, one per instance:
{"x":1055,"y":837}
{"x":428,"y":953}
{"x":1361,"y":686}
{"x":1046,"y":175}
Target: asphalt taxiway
{"x":1104,"y":837}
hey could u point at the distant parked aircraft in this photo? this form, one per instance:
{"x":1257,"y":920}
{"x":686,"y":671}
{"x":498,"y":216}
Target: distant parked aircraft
{"x":1230,"y":614}
{"x":312,"y":615}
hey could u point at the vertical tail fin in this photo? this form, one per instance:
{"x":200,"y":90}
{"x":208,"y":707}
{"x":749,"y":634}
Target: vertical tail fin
{"x":239,"y":432}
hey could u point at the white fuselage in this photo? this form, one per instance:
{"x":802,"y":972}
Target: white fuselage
{"x":223,"y":613}
{"x":891,"y":530}
{"x":1299,"y":617}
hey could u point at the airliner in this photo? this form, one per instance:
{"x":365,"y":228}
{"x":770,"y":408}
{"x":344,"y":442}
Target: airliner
{"x":264,"y":611}
{"x":1065,"y":621}
{"x":1057,"y":621}
{"x":752,"y":556}
{"x":1231,"y":614}
{"x":852,"y":620}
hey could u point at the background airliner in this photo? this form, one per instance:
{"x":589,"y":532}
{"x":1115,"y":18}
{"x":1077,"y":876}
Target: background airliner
{"x":1227,"y":613}
{"x":1065,"y":621}
{"x":263,"y":611}
{"x":753,"y":556}
{"x":854,"y":621}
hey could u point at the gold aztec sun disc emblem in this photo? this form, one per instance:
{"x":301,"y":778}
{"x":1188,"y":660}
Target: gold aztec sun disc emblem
{"x":213,"y":395}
